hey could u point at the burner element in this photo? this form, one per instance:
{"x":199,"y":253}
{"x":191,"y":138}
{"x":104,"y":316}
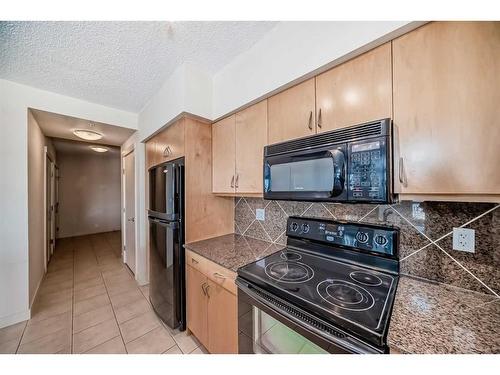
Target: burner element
{"x":365,"y":278}
{"x":290,"y":255}
{"x":345,"y":295}
{"x":289,"y":272}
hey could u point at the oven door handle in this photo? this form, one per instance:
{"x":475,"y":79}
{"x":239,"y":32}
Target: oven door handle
{"x":344,"y":342}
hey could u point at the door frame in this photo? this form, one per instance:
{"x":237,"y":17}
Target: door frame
{"x":123,"y":210}
{"x":48,"y":160}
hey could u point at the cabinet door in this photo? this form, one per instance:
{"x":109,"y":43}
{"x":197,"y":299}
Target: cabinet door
{"x":251,"y":137}
{"x":446,"y":106}
{"x":150,"y":153}
{"x":222,"y":320}
{"x":292,"y":113}
{"x":170,"y":142}
{"x":356,"y":91}
{"x":223,"y":156}
{"x":196,"y":304}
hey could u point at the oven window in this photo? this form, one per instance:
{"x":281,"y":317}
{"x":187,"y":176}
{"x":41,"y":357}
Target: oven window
{"x":272,"y":336}
{"x":303,"y":175}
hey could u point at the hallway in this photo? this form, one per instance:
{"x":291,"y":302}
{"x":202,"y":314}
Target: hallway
{"x":89,"y":302}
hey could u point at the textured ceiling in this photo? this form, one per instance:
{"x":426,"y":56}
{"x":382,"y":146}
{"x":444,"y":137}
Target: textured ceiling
{"x":118,"y":64}
{"x":61,"y":126}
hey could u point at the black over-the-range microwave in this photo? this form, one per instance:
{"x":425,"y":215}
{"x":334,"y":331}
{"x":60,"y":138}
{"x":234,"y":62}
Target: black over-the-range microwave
{"x":353,"y":164}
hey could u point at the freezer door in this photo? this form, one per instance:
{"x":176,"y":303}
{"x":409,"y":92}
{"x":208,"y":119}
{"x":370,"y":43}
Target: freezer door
{"x":165,"y":191}
{"x":166,"y":272}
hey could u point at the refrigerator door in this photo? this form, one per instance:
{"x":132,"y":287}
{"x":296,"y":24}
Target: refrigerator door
{"x":166,"y":272}
{"x":164,"y":191}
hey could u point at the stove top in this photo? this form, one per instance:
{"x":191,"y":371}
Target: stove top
{"x":340,"y":286}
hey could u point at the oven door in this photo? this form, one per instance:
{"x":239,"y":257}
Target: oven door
{"x":267,"y":325}
{"x":307,"y":175}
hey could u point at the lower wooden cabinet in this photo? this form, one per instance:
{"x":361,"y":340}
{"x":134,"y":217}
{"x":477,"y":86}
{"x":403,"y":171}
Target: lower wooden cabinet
{"x":212,"y":304}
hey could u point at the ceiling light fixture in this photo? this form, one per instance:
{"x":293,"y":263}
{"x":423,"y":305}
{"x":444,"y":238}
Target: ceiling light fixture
{"x":88,"y":135}
{"x":99,"y":148}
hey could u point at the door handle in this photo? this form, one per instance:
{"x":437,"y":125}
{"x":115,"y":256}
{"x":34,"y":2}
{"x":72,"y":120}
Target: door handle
{"x":310,"y":124}
{"x":132,"y":219}
{"x":319,"y":119}
{"x":232,"y":182}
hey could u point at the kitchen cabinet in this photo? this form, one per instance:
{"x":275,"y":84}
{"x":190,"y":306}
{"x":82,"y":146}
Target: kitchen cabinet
{"x":170,"y":142}
{"x":238,"y":148}
{"x":291,"y":113}
{"x":212,"y":305}
{"x":223,"y":156}
{"x":446,"y":107}
{"x":151,"y":154}
{"x":357,"y":91}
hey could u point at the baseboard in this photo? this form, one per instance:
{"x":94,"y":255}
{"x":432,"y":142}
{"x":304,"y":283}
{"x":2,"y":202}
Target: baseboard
{"x":15,"y":318}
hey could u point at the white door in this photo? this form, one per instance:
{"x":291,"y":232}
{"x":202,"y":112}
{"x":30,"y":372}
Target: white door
{"x":129,"y":183}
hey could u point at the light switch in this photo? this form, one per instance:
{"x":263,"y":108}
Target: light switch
{"x":260,"y":214}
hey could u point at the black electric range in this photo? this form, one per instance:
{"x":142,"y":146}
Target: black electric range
{"x":335,"y":279}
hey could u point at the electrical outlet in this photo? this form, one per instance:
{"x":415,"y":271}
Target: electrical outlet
{"x":464,"y":239}
{"x":260,"y":214}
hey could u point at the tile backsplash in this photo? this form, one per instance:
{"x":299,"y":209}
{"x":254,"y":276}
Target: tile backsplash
{"x":426,"y":234}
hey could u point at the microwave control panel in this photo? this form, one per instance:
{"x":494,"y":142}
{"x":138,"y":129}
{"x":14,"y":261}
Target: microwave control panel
{"x":367,"y":169}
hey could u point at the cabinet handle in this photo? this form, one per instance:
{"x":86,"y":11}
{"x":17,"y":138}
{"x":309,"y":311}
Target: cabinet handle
{"x":401,"y":170}
{"x":206,"y":290}
{"x":194,"y":261}
{"x":310,"y":125}
{"x":203,"y":288}
{"x":319,"y":119}
{"x":219,"y":275}
{"x":232,"y":182}
{"x":237,"y":179}
{"x":165,"y":152}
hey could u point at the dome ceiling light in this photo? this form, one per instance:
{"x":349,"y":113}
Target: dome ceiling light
{"x":99,"y":148}
{"x":88,"y":135}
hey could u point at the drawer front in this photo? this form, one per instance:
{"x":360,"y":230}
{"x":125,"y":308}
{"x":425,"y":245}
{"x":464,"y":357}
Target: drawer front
{"x":221,"y":276}
{"x":196,"y":261}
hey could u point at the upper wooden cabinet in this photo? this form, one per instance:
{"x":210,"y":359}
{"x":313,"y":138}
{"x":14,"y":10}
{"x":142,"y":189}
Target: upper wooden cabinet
{"x":151,"y":154}
{"x":170,"y":142}
{"x":223,"y":156}
{"x":292,"y":113}
{"x":356,"y":91}
{"x":238,"y":147}
{"x":446,"y":106}
{"x":251,"y":137}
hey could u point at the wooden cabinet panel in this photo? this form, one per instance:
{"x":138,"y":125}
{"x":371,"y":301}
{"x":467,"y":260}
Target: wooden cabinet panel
{"x":222,"y":320}
{"x":356,"y":91}
{"x":223,"y":155}
{"x":170,"y":142}
{"x":291,"y":113}
{"x":196,"y":304}
{"x":446,"y":106}
{"x":221,"y":276}
{"x":196,"y":261}
{"x":251,"y":137}
{"x":151,"y":154}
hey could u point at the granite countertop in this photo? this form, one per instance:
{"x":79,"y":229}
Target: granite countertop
{"x":427,"y":317}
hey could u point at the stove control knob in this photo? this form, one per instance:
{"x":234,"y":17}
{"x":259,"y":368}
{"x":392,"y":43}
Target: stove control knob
{"x":381,"y":240}
{"x":294,"y":226}
{"x":305,"y":228}
{"x":362,"y":237}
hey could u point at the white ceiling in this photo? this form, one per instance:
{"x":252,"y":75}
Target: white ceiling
{"x":67,"y":147}
{"x":118,"y":64}
{"x":61,"y":126}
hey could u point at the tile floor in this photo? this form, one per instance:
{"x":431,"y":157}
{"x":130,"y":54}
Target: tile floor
{"x":90,"y":303}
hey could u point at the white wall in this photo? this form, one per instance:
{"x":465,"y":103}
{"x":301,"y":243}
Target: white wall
{"x":15,"y":99}
{"x":89,"y":193}
{"x":289,"y":51}
{"x":36,"y":202}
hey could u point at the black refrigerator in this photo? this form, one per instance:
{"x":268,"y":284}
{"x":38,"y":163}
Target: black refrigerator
{"x":166,"y":239}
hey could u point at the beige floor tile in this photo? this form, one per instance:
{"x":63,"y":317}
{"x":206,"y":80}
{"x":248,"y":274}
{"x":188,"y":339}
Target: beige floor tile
{"x":89,"y":283}
{"x":13,"y":332}
{"x":55,"y":297}
{"x":113,"y":346}
{"x":96,"y":335}
{"x":174,"y":350}
{"x":131,"y":310}
{"x":59,"y":287}
{"x":120,"y":287}
{"x":87,"y":274}
{"x":9,"y":347}
{"x":91,"y":318}
{"x":51,"y":343}
{"x":38,"y":329}
{"x":122,"y":276}
{"x":156,"y":341}
{"x":93,"y":291}
{"x":41,"y":311}
{"x":139,"y":326}
{"x":145,"y":290}
{"x":199,"y":350}
{"x":90,"y":304}
{"x":125,"y":298}
{"x":187,"y":343}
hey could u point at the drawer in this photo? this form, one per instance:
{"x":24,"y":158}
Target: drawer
{"x":221,"y":276}
{"x":196,"y":261}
